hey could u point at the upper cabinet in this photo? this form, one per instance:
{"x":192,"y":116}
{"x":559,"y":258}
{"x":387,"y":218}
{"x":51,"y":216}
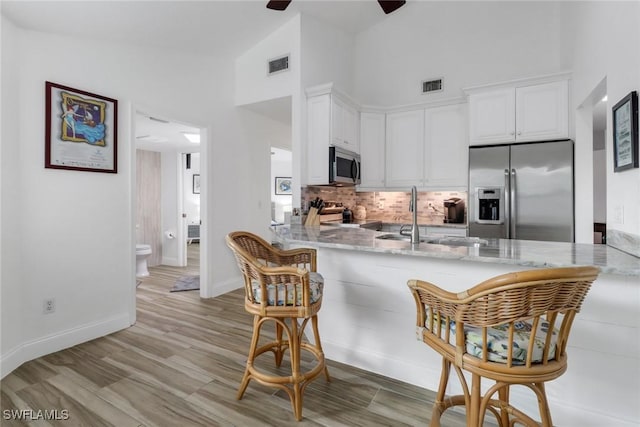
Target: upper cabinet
{"x":344,"y":125}
{"x":405,"y":149}
{"x":332,"y":119}
{"x":372,"y":141}
{"x":427,"y":148}
{"x":520,"y":113}
{"x":446,"y":153}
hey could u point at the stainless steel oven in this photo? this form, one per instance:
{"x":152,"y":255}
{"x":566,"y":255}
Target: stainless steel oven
{"x":344,"y":167}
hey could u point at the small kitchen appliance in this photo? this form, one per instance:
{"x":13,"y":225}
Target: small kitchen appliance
{"x":344,"y":167}
{"x":454,"y":210}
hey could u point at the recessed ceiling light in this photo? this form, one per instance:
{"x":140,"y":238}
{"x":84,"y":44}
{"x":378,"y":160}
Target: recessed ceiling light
{"x":192,"y":137}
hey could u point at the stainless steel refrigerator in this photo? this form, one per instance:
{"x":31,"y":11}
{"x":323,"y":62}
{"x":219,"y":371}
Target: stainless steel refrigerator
{"x":522,"y":191}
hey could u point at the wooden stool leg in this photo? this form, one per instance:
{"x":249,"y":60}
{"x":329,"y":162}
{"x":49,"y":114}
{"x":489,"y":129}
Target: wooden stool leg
{"x":543,"y":404}
{"x":294,"y":350}
{"x":503,"y":395}
{"x":473,"y":414}
{"x":255,"y":338}
{"x":278,"y":352}
{"x":438,"y":405}
{"x":316,"y":335}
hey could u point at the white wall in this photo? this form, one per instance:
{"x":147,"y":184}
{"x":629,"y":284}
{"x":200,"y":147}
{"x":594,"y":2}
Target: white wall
{"x":466,"y":43}
{"x":599,"y":182}
{"x":78,"y":226}
{"x":253,"y":84}
{"x":605,"y":41}
{"x":11,"y":291}
{"x":327,"y":55}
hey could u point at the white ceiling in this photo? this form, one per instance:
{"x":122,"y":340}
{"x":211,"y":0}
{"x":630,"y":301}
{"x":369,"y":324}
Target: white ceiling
{"x":155,"y":134}
{"x":211,"y":27}
{"x":206,"y":26}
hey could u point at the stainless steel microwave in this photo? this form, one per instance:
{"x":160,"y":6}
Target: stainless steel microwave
{"x":344,"y":167}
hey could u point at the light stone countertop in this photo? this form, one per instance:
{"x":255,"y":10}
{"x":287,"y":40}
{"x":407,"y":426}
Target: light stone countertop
{"x":501,"y":251}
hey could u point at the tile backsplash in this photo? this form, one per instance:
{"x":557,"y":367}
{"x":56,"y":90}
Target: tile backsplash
{"x":388,"y":206}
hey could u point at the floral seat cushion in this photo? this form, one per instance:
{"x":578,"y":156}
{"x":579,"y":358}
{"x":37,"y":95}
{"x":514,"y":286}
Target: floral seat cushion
{"x":498,"y":341}
{"x":276,"y":293}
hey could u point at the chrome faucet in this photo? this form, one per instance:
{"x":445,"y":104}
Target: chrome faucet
{"x":413,"y":207}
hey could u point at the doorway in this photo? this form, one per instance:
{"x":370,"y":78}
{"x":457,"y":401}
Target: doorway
{"x":599,"y":125}
{"x":167,"y":193}
{"x":281,"y":189}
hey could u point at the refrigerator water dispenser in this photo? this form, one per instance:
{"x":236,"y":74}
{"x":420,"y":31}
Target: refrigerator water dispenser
{"x":490,"y":205}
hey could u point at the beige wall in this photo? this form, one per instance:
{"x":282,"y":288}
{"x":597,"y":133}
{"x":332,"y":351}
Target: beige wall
{"x":148,"y":198}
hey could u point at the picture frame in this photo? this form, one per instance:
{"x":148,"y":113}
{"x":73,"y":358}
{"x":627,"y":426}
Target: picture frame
{"x":625,"y":133}
{"x":196,"y":183}
{"x":283,"y":185}
{"x":81,"y":130}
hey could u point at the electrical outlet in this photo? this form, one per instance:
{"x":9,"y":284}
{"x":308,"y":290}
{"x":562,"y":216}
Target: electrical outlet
{"x":380,"y":205}
{"x":49,"y":306}
{"x":618,"y":214}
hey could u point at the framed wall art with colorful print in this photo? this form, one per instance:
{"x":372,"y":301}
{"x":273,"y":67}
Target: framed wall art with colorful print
{"x":81,"y":131}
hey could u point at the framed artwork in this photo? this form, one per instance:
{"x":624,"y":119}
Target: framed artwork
{"x":625,"y":133}
{"x":81,"y":130}
{"x":196,"y":183}
{"x":283,"y":185}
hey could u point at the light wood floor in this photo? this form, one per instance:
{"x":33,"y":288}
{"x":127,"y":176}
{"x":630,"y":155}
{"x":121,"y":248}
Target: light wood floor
{"x":181,"y":364}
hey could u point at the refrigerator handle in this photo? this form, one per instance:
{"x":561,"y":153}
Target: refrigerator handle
{"x":512,"y":207}
{"x":507,"y":203}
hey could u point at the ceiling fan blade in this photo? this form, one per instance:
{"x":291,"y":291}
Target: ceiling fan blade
{"x":278,"y":4}
{"x":389,"y":6}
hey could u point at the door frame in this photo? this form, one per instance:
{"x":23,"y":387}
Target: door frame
{"x":181,"y":231}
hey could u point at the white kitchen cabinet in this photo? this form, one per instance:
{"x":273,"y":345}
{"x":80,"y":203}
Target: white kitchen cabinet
{"x":427,"y":148}
{"x":542,"y":111}
{"x":405,"y":149}
{"x":344,"y":125}
{"x":331,"y":120}
{"x":446,"y":155}
{"x":372,"y":143}
{"x":519,"y":114}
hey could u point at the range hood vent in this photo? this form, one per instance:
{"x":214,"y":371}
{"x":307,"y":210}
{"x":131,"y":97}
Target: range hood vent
{"x":278,"y":65}
{"x":432,"y":85}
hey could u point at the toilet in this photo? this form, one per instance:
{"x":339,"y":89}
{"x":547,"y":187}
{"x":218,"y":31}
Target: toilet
{"x":142,"y":253}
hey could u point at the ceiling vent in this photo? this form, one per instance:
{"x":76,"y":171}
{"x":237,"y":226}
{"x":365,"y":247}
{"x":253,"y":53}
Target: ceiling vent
{"x":278,"y":65}
{"x":432,"y":85}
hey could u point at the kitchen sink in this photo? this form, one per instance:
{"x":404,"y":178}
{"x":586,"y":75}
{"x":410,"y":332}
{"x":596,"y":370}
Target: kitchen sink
{"x":438,"y":240}
{"x":400,"y":237}
{"x":460,"y":241}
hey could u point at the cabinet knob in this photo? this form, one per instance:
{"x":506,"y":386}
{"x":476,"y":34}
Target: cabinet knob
{"x":519,"y":132}
{"x":511,"y":133}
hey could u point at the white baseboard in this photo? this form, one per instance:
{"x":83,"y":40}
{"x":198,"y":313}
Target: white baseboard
{"x":172,"y":261}
{"x":223,"y":287}
{"x":38,"y":347}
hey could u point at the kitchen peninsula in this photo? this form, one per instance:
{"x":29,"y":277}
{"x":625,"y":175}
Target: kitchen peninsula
{"x":368,"y":315}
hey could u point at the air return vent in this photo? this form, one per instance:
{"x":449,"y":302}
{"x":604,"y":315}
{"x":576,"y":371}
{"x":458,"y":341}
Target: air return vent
{"x":432,"y":85}
{"x":279,"y":65}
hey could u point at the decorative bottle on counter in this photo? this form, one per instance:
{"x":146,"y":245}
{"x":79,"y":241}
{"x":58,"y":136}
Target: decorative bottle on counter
{"x":347,"y":216}
{"x":359,"y":212}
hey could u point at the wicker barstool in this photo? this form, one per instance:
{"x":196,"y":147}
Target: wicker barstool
{"x":280,"y":286}
{"x":512,"y":329}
